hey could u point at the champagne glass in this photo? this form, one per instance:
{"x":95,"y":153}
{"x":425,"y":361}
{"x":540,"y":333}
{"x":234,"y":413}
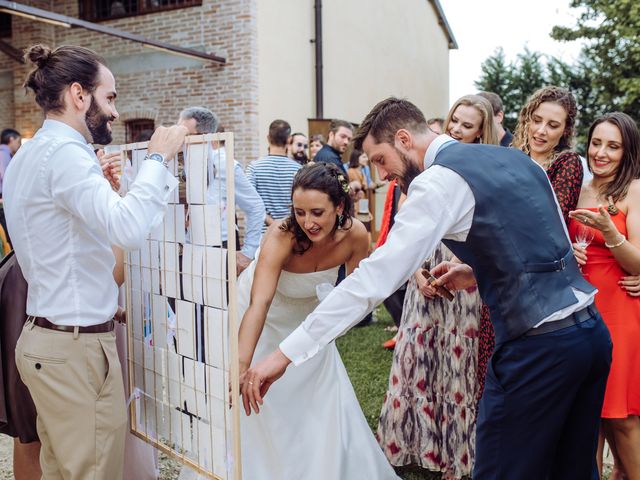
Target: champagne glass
{"x":584,"y":236}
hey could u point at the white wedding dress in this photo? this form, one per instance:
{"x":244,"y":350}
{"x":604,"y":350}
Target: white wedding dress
{"x":311,"y":426}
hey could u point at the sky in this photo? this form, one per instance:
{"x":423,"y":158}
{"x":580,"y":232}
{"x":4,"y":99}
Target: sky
{"x":481,"y":26}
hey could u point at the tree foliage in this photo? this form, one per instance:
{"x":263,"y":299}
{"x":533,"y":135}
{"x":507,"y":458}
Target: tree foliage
{"x":611,"y":29}
{"x":604,"y":78}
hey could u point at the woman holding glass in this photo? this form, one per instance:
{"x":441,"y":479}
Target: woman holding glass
{"x":609,"y":208}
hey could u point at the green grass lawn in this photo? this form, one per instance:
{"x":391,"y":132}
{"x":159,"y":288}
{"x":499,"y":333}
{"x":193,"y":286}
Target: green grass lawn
{"x":368,"y":365}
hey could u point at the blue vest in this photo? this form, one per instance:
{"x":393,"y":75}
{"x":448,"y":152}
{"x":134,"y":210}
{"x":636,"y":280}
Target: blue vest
{"x":517,"y":245}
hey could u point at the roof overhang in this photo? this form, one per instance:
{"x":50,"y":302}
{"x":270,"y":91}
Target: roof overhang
{"x":40,"y":15}
{"x":442,"y":21}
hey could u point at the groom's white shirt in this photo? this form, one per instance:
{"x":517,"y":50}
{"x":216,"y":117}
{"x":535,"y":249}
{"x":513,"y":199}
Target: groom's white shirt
{"x":439,"y":205}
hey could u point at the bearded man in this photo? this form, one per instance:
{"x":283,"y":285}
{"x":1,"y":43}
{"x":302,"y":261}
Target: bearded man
{"x":64,"y":217}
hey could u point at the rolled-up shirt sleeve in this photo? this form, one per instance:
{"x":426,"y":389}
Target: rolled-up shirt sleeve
{"x":76,"y":184}
{"x":440,"y":205}
{"x":253,"y":207}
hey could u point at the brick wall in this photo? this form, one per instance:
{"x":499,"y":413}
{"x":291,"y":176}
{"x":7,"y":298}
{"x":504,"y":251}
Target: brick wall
{"x":158,"y":85}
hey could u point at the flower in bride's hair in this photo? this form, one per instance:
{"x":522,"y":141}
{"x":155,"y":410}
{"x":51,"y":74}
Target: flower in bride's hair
{"x":343,"y":183}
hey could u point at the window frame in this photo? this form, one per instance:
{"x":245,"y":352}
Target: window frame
{"x":87,"y":9}
{"x":134,"y":126}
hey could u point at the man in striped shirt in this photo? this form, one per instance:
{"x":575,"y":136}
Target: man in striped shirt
{"x":272,"y":176}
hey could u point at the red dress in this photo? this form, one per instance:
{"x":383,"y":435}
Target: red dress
{"x":621,"y":314}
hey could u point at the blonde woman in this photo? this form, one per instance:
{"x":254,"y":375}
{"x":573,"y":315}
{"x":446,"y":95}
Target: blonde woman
{"x":470,"y":120}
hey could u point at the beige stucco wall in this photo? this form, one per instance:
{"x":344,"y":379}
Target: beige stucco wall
{"x":372,"y":49}
{"x":285,"y":65}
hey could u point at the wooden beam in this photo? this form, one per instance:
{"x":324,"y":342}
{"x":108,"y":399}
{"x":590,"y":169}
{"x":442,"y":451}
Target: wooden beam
{"x":11,"y":51}
{"x":40,"y":15}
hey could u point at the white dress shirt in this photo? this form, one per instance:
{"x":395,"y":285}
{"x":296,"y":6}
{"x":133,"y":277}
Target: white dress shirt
{"x":440,"y":204}
{"x":247,"y":199}
{"x":63,"y":218}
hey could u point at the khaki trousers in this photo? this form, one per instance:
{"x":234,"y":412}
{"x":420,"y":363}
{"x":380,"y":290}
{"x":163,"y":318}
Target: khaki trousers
{"x":76,"y":384}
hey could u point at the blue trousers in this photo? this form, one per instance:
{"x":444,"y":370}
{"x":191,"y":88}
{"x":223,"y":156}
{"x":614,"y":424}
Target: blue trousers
{"x":540,"y":413}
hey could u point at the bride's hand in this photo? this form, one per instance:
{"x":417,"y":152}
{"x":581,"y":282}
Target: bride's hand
{"x":258,"y":379}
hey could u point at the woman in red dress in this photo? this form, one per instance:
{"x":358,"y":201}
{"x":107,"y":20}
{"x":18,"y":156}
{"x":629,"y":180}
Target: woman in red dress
{"x":609,"y":208}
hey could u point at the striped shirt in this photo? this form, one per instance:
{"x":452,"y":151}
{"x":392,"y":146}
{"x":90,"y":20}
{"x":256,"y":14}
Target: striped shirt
{"x":272,"y":177}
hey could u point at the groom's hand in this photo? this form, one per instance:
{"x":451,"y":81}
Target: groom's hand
{"x":256,"y":381}
{"x":454,"y":276}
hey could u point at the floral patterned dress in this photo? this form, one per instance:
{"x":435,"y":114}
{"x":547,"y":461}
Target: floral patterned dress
{"x":429,"y":412}
{"x":440,"y":361}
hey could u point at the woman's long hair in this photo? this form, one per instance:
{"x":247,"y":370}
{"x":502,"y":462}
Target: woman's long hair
{"x":562,"y":97}
{"x":325,"y":178}
{"x":629,"y":167}
{"x":483,"y":106}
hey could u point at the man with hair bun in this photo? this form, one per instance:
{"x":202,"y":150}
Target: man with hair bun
{"x":64,"y":217}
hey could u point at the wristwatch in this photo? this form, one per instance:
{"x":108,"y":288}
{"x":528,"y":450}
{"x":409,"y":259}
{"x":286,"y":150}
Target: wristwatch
{"x":157,"y":157}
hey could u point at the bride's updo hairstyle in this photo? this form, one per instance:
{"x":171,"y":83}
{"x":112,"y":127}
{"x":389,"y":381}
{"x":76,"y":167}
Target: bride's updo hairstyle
{"x":325,"y":178}
{"x":55,"y":70}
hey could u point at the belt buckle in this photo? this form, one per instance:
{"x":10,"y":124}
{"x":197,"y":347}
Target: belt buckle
{"x":563,"y":265}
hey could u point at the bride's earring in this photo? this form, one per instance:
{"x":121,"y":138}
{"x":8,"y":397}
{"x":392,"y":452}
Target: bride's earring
{"x":340,"y":219}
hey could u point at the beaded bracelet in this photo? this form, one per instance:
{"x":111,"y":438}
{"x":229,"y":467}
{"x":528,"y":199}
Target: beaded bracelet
{"x":616,"y":245}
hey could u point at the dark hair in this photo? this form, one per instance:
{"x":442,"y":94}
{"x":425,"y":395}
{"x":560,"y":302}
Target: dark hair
{"x":335,"y":125}
{"x":318,"y":137}
{"x":206,"y":120}
{"x":7,"y":135}
{"x":386,"y":118}
{"x":326,"y":178}
{"x":494,"y":100}
{"x":296,"y":134}
{"x":58,"y":69}
{"x":629,"y":167}
{"x":354,"y":158}
{"x":279,"y":133}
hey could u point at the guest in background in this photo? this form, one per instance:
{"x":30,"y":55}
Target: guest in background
{"x":298,"y":148}
{"x":10,"y":141}
{"x":340,"y":133}
{"x":316,"y":143}
{"x":504,"y":135}
{"x":272,"y":176}
{"x":355,"y":171}
{"x":608,"y":212}
{"x":200,"y":120}
{"x":436,"y":125}
{"x":429,"y":414}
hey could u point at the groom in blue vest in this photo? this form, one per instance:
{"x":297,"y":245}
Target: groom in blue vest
{"x":495,"y":209}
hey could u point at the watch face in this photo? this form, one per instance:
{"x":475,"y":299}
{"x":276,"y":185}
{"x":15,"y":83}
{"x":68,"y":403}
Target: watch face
{"x":157,"y":157}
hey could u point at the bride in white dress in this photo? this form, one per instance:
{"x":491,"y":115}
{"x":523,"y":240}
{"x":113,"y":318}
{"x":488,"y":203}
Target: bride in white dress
{"x":310,"y":425}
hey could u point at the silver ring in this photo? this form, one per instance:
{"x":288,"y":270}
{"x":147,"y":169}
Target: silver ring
{"x":250,"y":383}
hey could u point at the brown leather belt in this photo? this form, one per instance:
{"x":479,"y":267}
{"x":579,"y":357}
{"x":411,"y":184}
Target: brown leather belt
{"x":101,"y":328}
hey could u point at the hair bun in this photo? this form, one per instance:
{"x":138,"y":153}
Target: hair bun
{"x":39,"y":54}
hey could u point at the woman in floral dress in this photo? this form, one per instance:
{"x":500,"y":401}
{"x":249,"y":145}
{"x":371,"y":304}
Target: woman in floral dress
{"x":429,"y":413}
